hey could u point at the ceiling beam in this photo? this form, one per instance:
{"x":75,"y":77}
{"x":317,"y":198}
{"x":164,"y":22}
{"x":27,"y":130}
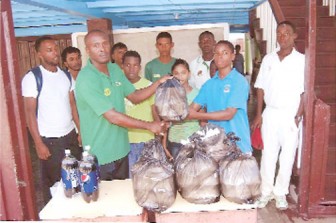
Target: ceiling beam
{"x":164,"y":3}
{"x":39,"y":31}
{"x":166,"y":8}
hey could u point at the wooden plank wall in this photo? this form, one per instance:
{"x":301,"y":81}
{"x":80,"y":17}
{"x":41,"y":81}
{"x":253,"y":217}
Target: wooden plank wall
{"x":27,"y":54}
{"x":16,"y":181}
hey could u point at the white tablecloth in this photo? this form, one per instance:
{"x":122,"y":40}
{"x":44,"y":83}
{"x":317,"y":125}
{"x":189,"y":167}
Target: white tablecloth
{"x":115,"y":199}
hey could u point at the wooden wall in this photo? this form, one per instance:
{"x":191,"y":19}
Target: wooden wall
{"x":26,"y":51}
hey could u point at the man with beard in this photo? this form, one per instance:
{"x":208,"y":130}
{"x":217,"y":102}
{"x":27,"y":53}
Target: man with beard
{"x":200,"y":67}
{"x":72,"y":60}
{"x":51,"y":112}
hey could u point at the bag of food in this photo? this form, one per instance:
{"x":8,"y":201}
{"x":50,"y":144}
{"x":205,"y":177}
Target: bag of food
{"x":153,"y":149}
{"x":197,"y":176}
{"x":153,"y":179}
{"x":171,"y":101}
{"x":240,"y":178}
{"x":213,"y":141}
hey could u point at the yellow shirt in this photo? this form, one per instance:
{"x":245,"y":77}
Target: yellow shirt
{"x":142,"y":111}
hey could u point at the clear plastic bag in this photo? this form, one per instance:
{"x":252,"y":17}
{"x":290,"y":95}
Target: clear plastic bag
{"x":171,"y":101}
{"x":240,"y":178}
{"x":197,"y":176}
{"x":153,"y":179}
{"x":214,"y":142}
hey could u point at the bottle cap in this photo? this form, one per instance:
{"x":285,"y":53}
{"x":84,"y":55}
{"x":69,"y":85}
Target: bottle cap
{"x":87,"y":148}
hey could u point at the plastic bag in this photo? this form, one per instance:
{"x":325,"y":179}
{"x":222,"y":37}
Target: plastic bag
{"x":214,"y":142}
{"x":153,"y":179}
{"x":197,"y":176}
{"x":256,"y":139}
{"x":171,"y":101}
{"x":240,"y":178}
{"x":153,"y":149}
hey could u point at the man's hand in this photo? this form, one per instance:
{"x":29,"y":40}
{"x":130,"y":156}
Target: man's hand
{"x":192,"y":114}
{"x":164,"y":78}
{"x":257,"y":122}
{"x":158,"y":128}
{"x":42,"y":151}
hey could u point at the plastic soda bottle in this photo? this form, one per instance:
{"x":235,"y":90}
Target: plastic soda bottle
{"x":88,"y":178}
{"x":94,"y":159}
{"x":70,"y":174}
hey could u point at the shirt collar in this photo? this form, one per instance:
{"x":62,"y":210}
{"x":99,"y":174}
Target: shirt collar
{"x":201,"y":60}
{"x":275,"y":52}
{"x":229,"y":76}
{"x":95,"y":70}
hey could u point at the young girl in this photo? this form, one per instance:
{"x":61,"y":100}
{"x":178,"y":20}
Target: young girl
{"x":179,"y":131}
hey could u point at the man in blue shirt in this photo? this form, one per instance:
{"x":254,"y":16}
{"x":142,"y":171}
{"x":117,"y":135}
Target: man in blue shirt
{"x":225,"y":98}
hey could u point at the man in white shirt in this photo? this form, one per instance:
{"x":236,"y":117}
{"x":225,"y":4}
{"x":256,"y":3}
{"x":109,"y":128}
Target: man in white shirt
{"x":280,"y":84}
{"x":50,"y":113}
{"x":200,"y":66}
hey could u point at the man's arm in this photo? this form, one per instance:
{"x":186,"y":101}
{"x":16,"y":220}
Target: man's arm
{"x":141,"y":94}
{"x":195,"y":113}
{"x":299,"y":113}
{"x":123,"y":120}
{"x":260,"y":103}
{"x":30,"y":104}
{"x":74,"y":113}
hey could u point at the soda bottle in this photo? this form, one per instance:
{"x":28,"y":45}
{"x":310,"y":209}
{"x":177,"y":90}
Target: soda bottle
{"x":88,"y":178}
{"x":69,"y":174}
{"x":94,"y":159}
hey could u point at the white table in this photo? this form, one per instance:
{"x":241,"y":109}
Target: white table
{"x":115,"y":203}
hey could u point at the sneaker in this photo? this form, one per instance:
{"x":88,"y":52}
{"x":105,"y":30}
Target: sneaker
{"x":281,"y":202}
{"x":263,"y":200}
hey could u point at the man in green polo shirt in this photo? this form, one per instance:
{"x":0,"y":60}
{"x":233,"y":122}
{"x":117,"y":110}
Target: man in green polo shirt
{"x":100,"y":91}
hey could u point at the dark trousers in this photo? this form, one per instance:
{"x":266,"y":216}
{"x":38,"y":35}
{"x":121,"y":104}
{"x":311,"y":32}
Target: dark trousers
{"x":117,"y":170}
{"x":50,"y":170}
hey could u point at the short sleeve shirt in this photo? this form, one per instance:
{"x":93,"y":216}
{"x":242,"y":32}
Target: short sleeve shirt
{"x":54,"y":117}
{"x":97,"y":93}
{"x":142,"y":111}
{"x":155,"y":69}
{"x":230,"y":92}
{"x":282,"y":81}
{"x":181,"y":131}
{"x":238,"y":63}
{"x":200,"y":72}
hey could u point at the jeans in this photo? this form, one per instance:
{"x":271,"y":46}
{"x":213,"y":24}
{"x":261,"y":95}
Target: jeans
{"x":134,"y":155}
{"x":115,"y":170}
{"x":50,"y":169}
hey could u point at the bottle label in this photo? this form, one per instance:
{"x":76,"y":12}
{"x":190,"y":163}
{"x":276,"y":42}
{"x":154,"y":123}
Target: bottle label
{"x":70,"y":178}
{"x":89,"y":182}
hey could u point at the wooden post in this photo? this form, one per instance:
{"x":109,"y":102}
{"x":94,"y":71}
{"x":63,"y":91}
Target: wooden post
{"x":309,"y":100}
{"x":101,"y":24}
{"x":16,"y":185}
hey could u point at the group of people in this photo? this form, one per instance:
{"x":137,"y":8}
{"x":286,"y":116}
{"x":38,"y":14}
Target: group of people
{"x":110,"y":106}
